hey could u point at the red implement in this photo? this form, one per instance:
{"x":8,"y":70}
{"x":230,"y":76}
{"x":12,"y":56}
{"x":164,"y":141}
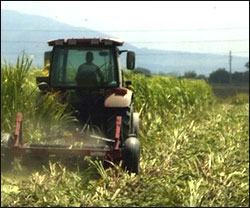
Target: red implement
{"x":65,"y":150}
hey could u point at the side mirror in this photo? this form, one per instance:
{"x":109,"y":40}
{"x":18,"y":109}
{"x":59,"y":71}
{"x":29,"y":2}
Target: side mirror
{"x":47,"y":58}
{"x":130,"y":60}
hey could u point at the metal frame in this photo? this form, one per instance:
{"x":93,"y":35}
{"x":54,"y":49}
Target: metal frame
{"x":114,"y":152}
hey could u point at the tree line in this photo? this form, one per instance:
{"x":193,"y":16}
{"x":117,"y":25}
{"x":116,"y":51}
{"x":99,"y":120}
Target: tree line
{"x":221,"y":75}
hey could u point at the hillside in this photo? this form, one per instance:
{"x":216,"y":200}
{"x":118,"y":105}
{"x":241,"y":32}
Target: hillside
{"x":30,"y":33}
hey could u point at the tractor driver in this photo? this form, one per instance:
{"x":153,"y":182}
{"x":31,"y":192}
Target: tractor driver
{"x":87,"y":73}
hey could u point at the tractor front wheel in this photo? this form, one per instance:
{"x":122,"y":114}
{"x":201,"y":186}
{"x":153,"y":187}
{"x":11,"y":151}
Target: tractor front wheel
{"x":131,"y":155}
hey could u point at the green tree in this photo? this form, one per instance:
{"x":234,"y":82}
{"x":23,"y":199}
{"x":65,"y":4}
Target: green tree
{"x":247,"y":65}
{"x":141,"y":70}
{"x":238,"y":77}
{"x":219,"y":76}
{"x":246,"y":76}
{"x":190,"y":74}
{"x":201,"y":76}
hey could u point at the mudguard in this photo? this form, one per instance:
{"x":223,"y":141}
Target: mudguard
{"x":118,"y":98}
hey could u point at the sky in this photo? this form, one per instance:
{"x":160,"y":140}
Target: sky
{"x":195,"y":26}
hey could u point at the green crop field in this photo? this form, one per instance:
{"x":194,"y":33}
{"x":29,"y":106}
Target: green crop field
{"x":195,"y":149}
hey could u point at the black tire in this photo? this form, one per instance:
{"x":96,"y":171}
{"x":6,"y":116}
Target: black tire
{"x":131,"y":155}
{"x":110,"y":128}
{"x":126,"y":126}
{"x":129,"y":143}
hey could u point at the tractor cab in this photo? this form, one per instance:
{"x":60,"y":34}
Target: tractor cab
{"x":89,"y":63}
{"x":87,"y":74}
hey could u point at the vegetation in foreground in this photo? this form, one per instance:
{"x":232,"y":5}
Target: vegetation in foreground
{"x":195,"y":152}
{"x":19,"y":93}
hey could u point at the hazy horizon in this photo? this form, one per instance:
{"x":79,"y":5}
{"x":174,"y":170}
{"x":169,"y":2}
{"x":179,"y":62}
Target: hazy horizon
{"x":198,"y":27}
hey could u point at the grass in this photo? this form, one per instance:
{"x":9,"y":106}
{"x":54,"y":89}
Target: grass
{"x":19,"y":93}
{"x":195,"y":152}
{"x":200,"y":162}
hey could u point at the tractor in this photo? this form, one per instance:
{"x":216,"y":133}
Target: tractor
{"x":86,"y":73}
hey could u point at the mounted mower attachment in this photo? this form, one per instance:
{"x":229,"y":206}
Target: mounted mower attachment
{"x":13,"y":146}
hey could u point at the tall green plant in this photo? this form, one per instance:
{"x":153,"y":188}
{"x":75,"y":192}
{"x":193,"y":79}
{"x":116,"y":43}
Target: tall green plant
{"x":160,"y":99}
{"x":13,"y":94}
{"x":19,"y":93}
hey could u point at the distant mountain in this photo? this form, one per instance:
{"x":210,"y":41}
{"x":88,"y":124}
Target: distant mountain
{"x":30,"y":33}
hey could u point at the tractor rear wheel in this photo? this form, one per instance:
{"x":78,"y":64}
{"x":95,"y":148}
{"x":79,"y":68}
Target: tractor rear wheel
{"x":130,"y":145}
{"x":126,"y":126}
{"x":110,"y":126}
